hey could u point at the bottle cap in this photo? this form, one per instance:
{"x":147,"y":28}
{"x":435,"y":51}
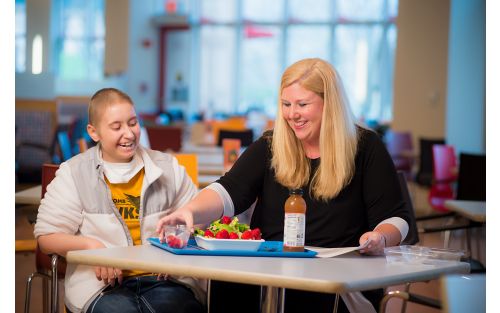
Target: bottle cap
{"x":298,"y":191}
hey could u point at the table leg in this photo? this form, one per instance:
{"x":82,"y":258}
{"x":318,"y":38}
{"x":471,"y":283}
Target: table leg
{"x":271,"y":301}
{"x":336,"y":304}
{"x":209,"y":292}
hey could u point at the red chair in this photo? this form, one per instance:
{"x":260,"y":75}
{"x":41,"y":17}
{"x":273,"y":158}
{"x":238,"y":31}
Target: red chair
{"x":400,"y":147}
{"x":50,"y":268}
{"x":445,"y":174}
{"x":164,"y":138}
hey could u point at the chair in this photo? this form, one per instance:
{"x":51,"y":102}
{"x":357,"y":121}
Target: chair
{"x":471,"y":182}
{"x":400,"y":148}
{"x":190,"y":162}
{"x":82,"y":145}
{"x":49,"y":267}
{"x":164,"y":138}
{"x":36,"y":122}
{"x":445,"y":174}
{"x":460,"y":293}
{"x":425,"y":170}
{"x":246,"y":136}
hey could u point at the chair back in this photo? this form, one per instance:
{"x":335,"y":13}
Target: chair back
{"x":425,"y":171}
{"x":471,"y":183}
{"x":43,"y":261}
{"x":245,"y":136}
{"x":412,"y":236}
{"x":400,"y":148}
{"x":190,"y":162}
{"x":35,"y":122}
{"x":445,"y":163}
{"x":64,"y":146}
{"x":164,"y":138}
{"x":445,"y":173}
{"x":82,"y":145}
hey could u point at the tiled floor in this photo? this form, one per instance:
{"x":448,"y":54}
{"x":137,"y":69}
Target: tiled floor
{"x":25,"y":261}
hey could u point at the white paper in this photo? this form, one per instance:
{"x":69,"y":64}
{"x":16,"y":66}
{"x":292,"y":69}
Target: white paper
{"x":332,"y":252}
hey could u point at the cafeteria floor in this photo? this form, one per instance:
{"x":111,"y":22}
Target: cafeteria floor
{"x":25,"y":261}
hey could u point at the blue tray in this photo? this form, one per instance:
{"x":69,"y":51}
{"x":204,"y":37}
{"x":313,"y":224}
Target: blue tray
{"x":267,"y":249}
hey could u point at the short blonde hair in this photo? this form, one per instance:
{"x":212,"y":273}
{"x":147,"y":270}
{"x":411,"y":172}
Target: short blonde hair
{"x":337,"y":139}
{"x":102,"y":99}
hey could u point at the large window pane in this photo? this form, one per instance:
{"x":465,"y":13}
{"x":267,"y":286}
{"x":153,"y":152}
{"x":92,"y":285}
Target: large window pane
{"x":219,"y":11}
{"x":217,"y":65}
{"x":361,"y":10}
{"x":307,"y":42}
{"x":359,"y":53}
{"x":260,"y":72}
{"x":310,"y":10}
{"x":20,"y":35}
{"x":263,"y":10}
{"x":81,"y":39}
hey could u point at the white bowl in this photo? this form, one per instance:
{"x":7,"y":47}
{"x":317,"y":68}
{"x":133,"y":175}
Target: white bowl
{"x":228,"y":244}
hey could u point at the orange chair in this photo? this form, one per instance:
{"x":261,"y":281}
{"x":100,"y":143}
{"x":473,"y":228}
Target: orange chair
{"x":445,"y":174}
{"x":190,"y":162}
{"x":48,"y":267}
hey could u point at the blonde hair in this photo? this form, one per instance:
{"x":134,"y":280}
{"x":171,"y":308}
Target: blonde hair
{"x":337,"y":139}
{"x":102,"y":99}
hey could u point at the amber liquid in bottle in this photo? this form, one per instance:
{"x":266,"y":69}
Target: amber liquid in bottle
{"x":295,"y":222}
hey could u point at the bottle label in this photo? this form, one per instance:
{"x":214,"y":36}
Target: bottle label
{"x":295,"y":225}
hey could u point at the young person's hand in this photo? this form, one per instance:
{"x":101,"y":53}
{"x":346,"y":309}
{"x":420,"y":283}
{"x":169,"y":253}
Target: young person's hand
{"x":376,"y":243}
{"x":181,"y":216}
{"x":106,"y":274}
{"x":109,"y":275}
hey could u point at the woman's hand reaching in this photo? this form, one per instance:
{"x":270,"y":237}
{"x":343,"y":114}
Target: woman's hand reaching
{"x":376,"y":243}
{"x":181,"y":216}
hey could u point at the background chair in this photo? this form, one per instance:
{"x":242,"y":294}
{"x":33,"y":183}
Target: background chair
{"x":36,"y":123}
{"x":471,"y":182}
{"x":190,"y":162}
{"x":246,"y":136}
{"x":165,"y":138}
{"x":50,"y":268}
{"x":400,"y":147}
{"x":445,"y":174}
{"x":425,"y":170}
{"x":460,"y":294}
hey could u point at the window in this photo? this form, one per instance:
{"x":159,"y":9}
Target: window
{"x":246,"y":45}
{"x":80,"y":39}
{"x":20,"y":36}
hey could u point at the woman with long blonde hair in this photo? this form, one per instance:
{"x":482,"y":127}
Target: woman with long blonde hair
{"x":349,"y":181}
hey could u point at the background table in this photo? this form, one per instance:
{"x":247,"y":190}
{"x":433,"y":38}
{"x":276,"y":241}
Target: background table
{"x":29,"y":196}
{"x":350,"y":272}
{"x":473,"y":210}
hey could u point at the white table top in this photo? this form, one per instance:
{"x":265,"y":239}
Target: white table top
{"x":473,"y":210}
{"x":29,"y":196}
{"x":350,"y":272}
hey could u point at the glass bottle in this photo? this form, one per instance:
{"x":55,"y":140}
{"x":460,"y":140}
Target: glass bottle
{"x":295,"y":222}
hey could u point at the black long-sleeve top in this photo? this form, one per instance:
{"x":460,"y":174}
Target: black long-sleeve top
{"x":372,"y":196}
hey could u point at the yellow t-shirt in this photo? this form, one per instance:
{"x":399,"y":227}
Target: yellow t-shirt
{"x":127,"y":199}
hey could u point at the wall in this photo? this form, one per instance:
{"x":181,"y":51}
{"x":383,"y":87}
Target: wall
{"x":465,"y":128}
{"x":143,"y":71}
{"x":420,"y":78}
